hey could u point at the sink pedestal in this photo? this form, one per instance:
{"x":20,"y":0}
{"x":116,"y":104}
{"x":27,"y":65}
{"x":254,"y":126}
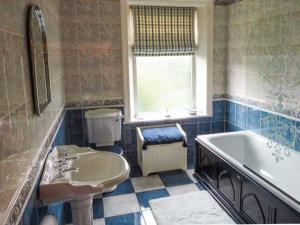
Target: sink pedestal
{"x":86,"y":173}
{"x":108,"y":190}
{"x":82,"y":211}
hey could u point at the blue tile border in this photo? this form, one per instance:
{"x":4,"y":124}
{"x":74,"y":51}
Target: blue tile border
{"x":217,"y":127}
{"x":278,"y":128}
{"x":241,"y":115}
{"x":231,"y":112}
{"x":263,"y":105}
{"x":94,"y":103}
{"x":218,"y":110}
{"x":229,"y":127}
{"x":253,"y":119}
{"x":286,"y":131}
{"x":204,"y":128}
{"x":297,"y":143}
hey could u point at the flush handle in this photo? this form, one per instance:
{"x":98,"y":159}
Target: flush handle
{"x":119,"y":118}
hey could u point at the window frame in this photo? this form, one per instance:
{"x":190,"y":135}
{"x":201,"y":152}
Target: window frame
{"x":203,"y":58}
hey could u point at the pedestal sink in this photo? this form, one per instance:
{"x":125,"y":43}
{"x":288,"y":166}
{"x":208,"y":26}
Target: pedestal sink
{"x":76,"y":174}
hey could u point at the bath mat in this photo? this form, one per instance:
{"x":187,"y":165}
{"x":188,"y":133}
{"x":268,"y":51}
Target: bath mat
{"x":189,"y":209}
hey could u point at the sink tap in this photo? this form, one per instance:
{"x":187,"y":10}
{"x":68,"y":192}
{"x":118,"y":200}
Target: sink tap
{"x":72,"y":158}
{"x":63,"y":160}
{"x":64,"y":152}
{"x":70,"y":170}
{"x":61,"y":171}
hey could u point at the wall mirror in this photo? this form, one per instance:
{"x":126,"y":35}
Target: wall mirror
{"x":38,"y":54}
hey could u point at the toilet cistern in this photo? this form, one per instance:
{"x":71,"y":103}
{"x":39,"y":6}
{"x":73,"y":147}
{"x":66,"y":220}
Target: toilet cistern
{"x":103,"y":126}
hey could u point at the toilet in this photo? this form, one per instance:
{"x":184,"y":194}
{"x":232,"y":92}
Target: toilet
{"x":104,"y":129}
{"x":49,"y":220}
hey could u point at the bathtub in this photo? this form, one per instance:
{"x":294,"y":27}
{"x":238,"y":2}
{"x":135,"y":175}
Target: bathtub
{"x":254,"y":156}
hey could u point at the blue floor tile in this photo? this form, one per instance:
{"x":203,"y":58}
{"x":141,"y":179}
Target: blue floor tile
{"x":146,"y":196}
{"x":67,"y":213}
{"x":128,"y":219}
{"x":191,"y":163}
{"x":98,"y":211}
{"x":123,"y":188}
{"x":135,"y":171}
{"x":175,"y":178}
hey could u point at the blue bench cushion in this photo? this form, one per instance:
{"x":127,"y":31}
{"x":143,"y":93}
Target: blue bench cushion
{"x":161,"y":135}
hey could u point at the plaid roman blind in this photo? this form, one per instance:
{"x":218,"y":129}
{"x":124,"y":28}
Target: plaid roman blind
{"x":162,"y":30}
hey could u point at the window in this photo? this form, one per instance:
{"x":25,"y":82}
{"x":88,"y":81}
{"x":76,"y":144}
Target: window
{"x":164,"y":84}
{"x":165,"y":71}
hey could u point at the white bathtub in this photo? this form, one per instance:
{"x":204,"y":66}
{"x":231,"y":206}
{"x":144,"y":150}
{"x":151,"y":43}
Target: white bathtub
{"x":249,"y":151}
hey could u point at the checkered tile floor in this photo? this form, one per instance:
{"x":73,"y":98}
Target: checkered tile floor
{"x":129,"y":203}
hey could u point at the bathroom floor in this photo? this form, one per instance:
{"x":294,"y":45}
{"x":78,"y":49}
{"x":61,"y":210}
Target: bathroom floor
{"x":128,"y":204}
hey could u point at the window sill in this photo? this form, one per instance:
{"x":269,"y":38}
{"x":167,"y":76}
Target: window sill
{"x":161,"y":118}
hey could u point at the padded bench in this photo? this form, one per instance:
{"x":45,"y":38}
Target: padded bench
{"x":161,"y":148}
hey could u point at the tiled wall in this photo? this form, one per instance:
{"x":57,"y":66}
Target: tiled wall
{"x":21,"y":131}
{"x":220,"y":48}
{"x":203,"y":125}
{"x":225,"y":2}
{"x":253,"y":58}
{"x":278,"y":128}
{"x":92,"y":48}
{"x":264,"y":53}
{"x":35,"y":211}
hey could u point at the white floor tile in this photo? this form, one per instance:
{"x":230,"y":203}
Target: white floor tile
{"x":190,"y":174}
{"x":182,"y":189}
{"x":120,"y":204}
{"x":147,"y":183}
{"x":99,"y":222}
{"x":149,"y":218}
{"x":96,"y":222}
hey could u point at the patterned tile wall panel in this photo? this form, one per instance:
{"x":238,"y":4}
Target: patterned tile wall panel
{"x":264,"y":53}
{"x":92,"y":49}
{"x":220,"y":48}
{"x":21,"y":131}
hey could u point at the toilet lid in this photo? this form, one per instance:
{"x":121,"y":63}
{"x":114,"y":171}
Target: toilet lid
{"x":102,"y":113}
{"x":49,"y":220}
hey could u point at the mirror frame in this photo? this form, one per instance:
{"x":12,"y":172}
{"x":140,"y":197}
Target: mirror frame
{"x":35,"y":11}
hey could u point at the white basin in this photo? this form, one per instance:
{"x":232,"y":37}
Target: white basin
{"x":96,"y":171}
